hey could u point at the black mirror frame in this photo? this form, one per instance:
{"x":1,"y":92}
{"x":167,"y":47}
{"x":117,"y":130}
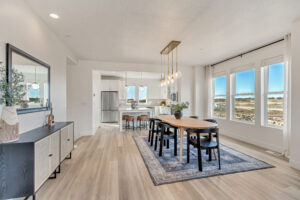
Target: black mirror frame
{"x":9,"y":50}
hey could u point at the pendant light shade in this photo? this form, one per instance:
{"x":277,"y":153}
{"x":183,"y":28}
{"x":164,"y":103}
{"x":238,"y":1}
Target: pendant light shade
{"x":35,"y":85}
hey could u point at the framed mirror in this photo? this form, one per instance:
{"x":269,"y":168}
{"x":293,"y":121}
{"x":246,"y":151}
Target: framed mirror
{"x":36,"y":79}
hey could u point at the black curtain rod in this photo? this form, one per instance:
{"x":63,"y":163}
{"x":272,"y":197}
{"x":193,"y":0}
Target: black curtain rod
{"x":240,"y":55}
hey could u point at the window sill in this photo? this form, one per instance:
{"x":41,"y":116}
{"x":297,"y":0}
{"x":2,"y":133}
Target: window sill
{"x":243,"y":122}
{"x":275,"y":127}
{"x":216,"y":117}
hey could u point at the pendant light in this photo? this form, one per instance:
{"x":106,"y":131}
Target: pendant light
{"x":126,"y":80}
{"x":35,"y":85}
{"x":161,"y":72}
{"x":168,"y":79}
{"x":177,"y":73}
{"x":172,"y":75}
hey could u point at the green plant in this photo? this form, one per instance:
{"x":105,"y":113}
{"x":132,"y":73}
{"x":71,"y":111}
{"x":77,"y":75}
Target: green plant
{"x":163,"y":103}
{"x":180,"y":106}
{"x":11,"y":92}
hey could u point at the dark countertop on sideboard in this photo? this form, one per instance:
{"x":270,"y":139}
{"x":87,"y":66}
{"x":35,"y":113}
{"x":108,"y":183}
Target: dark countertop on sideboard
{"x":35,"y":135}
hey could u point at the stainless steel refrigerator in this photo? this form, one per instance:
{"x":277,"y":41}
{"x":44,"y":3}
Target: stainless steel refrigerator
{"x":109,"y":106}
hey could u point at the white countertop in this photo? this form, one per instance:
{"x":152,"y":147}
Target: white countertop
{"x":124,"y":109}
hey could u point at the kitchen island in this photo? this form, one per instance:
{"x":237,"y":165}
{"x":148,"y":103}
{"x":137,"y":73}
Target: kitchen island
{"x":133,"y":112}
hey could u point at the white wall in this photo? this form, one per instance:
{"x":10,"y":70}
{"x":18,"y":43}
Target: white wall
{"x":295,"y":133}
{"x":271,"y":138}
{"x":21,"y":28}
{"x":199,"y":91}
{"x":80,"y":84}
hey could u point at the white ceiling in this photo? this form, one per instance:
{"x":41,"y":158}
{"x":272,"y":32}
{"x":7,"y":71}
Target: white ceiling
{"x":131,"y":74}
{"x":136,"y":30}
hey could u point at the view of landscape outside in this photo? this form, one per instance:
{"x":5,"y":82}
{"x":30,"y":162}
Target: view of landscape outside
{"x":244,"y":98}
{"x":275,"y":110}
{"x":220,"y":97}
{"x":130,"y":94}
{"x":275,"y":100}
{"x":143,"y":94}
{"x":220,"y":107}
{"x":244,"y":108}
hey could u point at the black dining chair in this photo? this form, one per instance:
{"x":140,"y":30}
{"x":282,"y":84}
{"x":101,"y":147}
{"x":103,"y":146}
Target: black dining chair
{"x":164,"y":135}
{"x":153,"y":128}
{"x":203,"y":143}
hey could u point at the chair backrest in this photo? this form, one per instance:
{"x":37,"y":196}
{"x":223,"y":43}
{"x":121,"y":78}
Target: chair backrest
{"x":200,"y":131}
{"x":195,"y":117}
{"x":211,"y":120}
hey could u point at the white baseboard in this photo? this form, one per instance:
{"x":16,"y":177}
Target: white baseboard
{"x":295,"y":164}
{"x":254,"y":142}
{"x":86,"y":133}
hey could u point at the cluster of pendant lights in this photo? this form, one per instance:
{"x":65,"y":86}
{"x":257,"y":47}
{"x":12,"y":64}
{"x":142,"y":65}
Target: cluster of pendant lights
{"x":172,"y":75}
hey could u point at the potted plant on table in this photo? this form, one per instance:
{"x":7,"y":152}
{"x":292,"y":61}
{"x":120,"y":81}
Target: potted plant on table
{"x":177,"y":108}
{"x":12,"y":93}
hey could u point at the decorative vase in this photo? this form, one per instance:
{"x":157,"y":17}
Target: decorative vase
{"x":133,"y":105}
{"x":178,"y":114}
{"x":9,"y":124}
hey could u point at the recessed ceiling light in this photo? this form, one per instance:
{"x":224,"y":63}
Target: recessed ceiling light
{"x":54,"y":16}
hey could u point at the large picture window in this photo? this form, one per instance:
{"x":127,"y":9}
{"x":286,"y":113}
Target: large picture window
{"x":274,"y":94}
{"x":244,"y":96}
{"x":219,"y":99}
{"x":143,"y":94}
{"x":130,"y":94}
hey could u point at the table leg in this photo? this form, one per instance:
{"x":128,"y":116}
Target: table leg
{"x":181,"y":132}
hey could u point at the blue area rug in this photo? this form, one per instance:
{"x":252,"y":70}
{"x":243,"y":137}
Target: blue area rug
{"x":166,"y":169}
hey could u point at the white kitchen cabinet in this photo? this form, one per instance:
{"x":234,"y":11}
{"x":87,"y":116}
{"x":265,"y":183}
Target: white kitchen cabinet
{"x":67,"y":141}
{"x":46,"y":158}
{"x":42,"y":162}
{"x":54,"y":151}
{"x":110,"y":85}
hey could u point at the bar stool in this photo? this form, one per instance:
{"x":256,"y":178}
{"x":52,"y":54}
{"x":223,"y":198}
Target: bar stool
{"x":128,"y":120}
{"x":144,"y":119}
{"x":124,"y":117}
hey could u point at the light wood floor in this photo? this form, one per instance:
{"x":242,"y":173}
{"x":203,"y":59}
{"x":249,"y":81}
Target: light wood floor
{"x":109,"y":166}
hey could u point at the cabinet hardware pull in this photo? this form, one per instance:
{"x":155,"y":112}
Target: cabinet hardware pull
{"x":68,"y":139}
{"x":50,"y":155}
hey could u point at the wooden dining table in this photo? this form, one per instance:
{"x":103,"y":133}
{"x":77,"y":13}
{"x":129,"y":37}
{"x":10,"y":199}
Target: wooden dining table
{"x":183,"y":124}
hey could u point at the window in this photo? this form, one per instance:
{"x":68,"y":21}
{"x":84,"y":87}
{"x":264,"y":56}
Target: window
{"x":130,"y":94}
{"x":244,"y":96}
{"x":274,"y":94}
{"x":143,"y":94}
{"x":219,"y":104}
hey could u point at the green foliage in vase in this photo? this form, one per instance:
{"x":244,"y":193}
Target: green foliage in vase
{"x":179,"y":107}
{"x":13,"y":92}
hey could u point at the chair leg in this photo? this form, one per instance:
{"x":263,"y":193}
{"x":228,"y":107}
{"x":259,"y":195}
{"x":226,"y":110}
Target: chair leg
{"x":188,"y":149}
{"x":215,"y":154}
{"x":155,"y":145}
{"x":161,"y":143}
{"x":218,"y":143}
{"x":209,"y":154}
{"x":175,"y":143}
{"x":168,"y":144}
{"x":219,"y":157}
{"x":199,"y":153}
{"x":149,"y":136}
